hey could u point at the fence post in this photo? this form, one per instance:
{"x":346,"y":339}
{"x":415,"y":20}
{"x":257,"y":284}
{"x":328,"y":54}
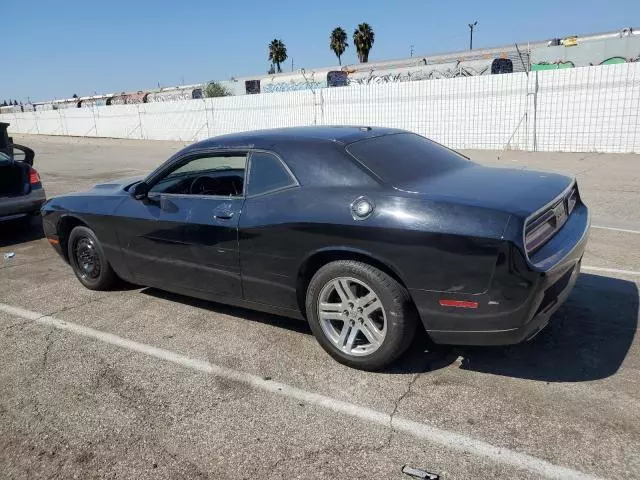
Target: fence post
{"x":206,"y":116}
{"x":95,"y":124}
{"x":140,"y":121}
{"x":535,"y":113}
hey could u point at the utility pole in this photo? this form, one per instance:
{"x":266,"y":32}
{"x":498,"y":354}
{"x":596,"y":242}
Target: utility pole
{"x":471,"y":25}
{"x":292,"y":64}
{"x":412,"y":50}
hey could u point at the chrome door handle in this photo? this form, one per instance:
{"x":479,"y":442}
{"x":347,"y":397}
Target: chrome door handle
{"x":223,"y":216}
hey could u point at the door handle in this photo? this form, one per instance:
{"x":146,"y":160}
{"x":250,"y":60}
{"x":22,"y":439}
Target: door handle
{"x":223,"y":216}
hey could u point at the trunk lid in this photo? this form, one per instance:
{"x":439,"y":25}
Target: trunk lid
{"x":519,"y":192}
{"x":14,"y":151}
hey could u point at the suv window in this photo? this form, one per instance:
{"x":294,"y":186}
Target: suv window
{"x":267,"y":173}
{"x":219,"y":175}
{"x":401,"y":157}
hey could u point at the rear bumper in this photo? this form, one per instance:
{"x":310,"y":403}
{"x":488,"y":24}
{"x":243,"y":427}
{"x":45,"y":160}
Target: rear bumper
{"x":13,"y":207}
{"x":548,"y":301}
{"x":523,"y":295}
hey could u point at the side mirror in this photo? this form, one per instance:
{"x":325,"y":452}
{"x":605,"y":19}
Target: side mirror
{"x":140,"y":190}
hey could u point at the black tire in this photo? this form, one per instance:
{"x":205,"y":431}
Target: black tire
{"x":88,"y":260}
{"x":398,"y":309}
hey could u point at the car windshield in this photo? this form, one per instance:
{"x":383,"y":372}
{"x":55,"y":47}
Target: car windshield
{"x":397,"y":158}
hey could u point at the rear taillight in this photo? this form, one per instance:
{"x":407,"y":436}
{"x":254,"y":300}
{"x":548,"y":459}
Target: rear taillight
{"x":541,"y":228}
{"x":34,"y":177}
{"x":540,"y":232}
{"x":572,"y":199}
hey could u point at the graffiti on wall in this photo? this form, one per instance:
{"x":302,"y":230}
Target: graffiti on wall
{"x":92,"y":102}
{"x":430,"y":72}
{"x":291,"y":86}
{"x":617,"y":60}
{"x":174,"y":95}
{"x":560,"y":64}
{"x":128,"y":99}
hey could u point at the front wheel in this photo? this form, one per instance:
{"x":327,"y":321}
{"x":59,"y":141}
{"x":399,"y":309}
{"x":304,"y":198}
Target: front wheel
{"x":359,"y":314}
{"x":88,"y":260}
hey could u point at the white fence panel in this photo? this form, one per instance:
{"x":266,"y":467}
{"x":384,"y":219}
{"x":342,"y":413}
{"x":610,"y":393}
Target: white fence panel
{"x":79,"y":122}
{"x":595,"y":109}
{"x":184,"y":120}
{"x":118,"y":121}
{"x":269,"y":110}
{"x":588,"y":109}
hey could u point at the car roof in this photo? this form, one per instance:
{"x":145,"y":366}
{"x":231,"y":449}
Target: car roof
{"x":274,"y":137}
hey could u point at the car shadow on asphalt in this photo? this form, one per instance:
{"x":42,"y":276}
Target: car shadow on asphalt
{"x":20,"y":230}
{"x":251,"y":315}
{"x":587,"y":339}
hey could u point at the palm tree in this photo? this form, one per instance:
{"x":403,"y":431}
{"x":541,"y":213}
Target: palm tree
{"x":277,"y":53}
{"x":338,"y":42}
{"x":363,"y":38}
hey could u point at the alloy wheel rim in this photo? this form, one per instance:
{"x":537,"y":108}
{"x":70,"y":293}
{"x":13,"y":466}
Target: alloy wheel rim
{"x":352,"y":316}
{"x":87,"y":259}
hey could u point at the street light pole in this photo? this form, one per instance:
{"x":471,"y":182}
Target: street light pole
{"x":471,"y":25}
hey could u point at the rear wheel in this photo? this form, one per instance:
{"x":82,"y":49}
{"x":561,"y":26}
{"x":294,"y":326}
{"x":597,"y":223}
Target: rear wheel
{"x":360,"y":315}
{"x":88,"y":260}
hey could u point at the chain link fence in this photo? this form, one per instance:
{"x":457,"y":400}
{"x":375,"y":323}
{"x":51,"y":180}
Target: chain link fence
{"x":587,"y":109}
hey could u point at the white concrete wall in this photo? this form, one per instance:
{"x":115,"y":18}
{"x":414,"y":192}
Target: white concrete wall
{"x":589,"y":109}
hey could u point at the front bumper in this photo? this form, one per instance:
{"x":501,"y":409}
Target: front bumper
{"x":523,"y":296}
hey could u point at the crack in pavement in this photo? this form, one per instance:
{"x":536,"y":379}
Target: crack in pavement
{"x":45,"y":356}
{"x":397,"y":405}
{"x":20,"y":324}
{"x":71,"y":307}
{"x":329,"y":449}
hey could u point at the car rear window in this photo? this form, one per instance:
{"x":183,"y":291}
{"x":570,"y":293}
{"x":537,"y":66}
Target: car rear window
{"x":399,"y":157}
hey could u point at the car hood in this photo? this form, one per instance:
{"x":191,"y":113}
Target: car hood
{"x":117,"y":184}
{"x":515,"y":191}
{"x":111,"y":187}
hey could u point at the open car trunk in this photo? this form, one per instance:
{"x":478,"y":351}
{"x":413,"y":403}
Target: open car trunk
{"x":14,"y":177}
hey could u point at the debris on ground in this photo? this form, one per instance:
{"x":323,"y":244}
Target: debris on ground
{"x":9,"y":255}
{"x":419,"y":473}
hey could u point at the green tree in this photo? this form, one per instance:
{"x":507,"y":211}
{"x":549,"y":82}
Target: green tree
{"x":363,"y":38}
{"x":277,"y":53}
{"x":214,"y":89}
{"x":338,"y":42}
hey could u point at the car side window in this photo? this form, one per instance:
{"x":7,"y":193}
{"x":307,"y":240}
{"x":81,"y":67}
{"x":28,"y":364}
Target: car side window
{"x":218,"y":175}
{"x":267,"y":174}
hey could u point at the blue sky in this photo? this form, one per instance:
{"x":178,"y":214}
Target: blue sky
{"x":58,"y":48}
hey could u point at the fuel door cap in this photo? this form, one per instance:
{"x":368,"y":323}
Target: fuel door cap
{"x":362,"y":208}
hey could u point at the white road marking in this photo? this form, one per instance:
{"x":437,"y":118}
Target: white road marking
{"x":422,"y":431}
{"x":625,"y":230}
{"x":610,"y":270}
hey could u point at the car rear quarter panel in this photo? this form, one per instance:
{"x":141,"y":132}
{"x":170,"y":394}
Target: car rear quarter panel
{"x":429,"y":245}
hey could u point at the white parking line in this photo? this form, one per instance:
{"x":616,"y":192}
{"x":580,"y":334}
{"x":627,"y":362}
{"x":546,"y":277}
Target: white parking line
{"x":610,"y":270}
{"x":625,"y":230}
{"x":422,"y":431}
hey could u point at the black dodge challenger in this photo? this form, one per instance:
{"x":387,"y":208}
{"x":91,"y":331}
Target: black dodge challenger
{"x":364,"y":232}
